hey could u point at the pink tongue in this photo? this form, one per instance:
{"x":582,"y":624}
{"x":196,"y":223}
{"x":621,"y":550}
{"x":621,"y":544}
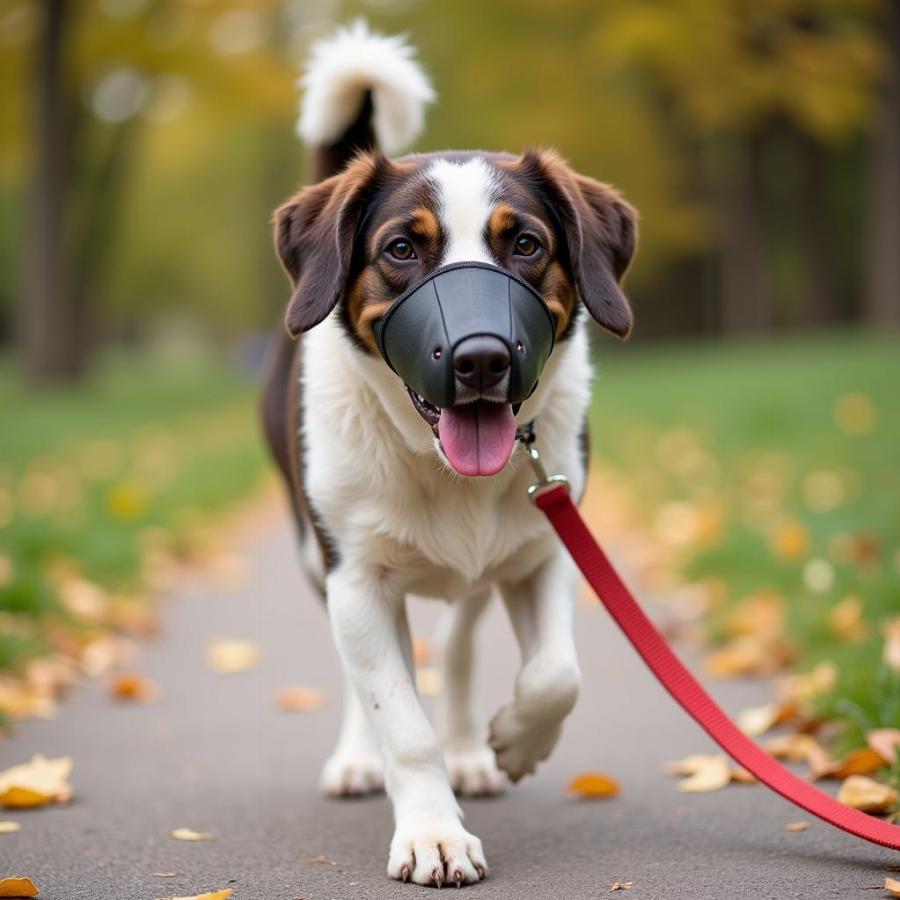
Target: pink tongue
{"x":478,"y":437}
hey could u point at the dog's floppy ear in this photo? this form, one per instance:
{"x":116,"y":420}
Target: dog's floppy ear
{"x":314,"y":235}
{"x":600,"y":229}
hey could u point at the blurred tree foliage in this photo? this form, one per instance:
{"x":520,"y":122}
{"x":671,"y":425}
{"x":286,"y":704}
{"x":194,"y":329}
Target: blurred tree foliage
{"x":760,"y":140}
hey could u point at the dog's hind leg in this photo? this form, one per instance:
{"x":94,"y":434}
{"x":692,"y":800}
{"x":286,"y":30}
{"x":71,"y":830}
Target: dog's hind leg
{"x":354,"y":767}
{"x":470,"y":762}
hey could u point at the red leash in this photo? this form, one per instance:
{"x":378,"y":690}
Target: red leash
{"x":554,"y":500}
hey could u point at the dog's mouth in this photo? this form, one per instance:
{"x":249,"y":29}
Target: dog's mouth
{"x":477,"y":437}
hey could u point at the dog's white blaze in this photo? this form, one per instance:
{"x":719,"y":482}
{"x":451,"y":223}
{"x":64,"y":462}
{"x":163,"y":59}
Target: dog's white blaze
{"x":465,"y":197}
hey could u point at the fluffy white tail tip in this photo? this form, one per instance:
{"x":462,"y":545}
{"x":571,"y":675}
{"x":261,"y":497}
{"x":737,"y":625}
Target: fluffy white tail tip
{"x":350,"y":62}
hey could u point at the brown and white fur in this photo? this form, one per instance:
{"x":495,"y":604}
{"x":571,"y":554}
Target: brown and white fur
{"x":382,"y":513}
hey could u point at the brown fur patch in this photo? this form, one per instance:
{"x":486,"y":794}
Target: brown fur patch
{"x":503,"y":220}
{"x":364,"y":306}
{"x":559,"y":295}
{"x":424,"y":223}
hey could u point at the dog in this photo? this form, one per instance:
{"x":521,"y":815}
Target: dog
{"x":396,"y":494}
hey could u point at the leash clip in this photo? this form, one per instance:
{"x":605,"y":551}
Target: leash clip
{"x":544,"y":481}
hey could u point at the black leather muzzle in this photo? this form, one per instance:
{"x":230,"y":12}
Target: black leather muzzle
{"x":419,"y":334}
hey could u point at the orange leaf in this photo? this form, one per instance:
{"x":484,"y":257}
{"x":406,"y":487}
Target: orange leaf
{"x":796,"y":826}
{"x":132,"y":687}
{"x":892,"y":886}
{"x":18,"y":886}
{"x":864,"y":761}
{"x":298,"y":699}
{"x":593,"y":784}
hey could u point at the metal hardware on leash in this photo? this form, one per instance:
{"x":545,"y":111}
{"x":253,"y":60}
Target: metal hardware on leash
{"x":534,"y":457}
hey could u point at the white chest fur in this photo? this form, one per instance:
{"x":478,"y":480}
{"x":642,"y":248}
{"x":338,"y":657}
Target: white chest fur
{"x":375,"y":479}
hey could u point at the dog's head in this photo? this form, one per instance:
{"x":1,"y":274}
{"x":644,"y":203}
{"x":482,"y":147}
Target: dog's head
{"x":547,"y":240}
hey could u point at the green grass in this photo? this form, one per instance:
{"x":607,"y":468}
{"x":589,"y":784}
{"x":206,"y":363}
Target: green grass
{"x":800,"y":435}
{"x":94,"y":476}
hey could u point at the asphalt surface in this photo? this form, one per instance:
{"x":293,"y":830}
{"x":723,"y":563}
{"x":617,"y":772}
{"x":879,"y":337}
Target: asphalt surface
{"x":214,"y":754}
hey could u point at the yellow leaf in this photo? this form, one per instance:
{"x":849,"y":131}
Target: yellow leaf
{"x":36,"y":783}
{"x":188,"y":834}
{"x":18,"y":886}
{"x":806,"y":686}
{"x":758,"y":720}
{"x":886,"y":743}
{"x":228,"y":656}
{"x":298,"y":699}
{"x":855,"y":414}
{"x":224,"y":894}
{"x":132,"y":687}
{"x":891,"y":655}
{"x":593,"y":784}
{"x":867,"y":795}
{"x":126,"y":501}
{"x":790,"y":540}
{"x":429,"y":682}
{"x":892,"y":886}
{"x":705,"y":773}
{"x":9,"y":827}
{"x":845,"y":620}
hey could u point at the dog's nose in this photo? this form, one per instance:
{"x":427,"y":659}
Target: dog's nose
{"x":481,"y":362}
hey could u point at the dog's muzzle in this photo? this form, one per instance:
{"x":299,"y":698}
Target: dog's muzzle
{"x":470,"y":342}
{"x":425,"y":334}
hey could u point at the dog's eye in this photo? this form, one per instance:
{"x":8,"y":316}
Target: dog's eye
{"x":527,"y":245}
{"x":401,"y":249}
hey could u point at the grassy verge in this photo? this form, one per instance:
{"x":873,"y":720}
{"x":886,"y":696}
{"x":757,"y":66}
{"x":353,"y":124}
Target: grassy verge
{"x":104,"y":485}
{"x":768,"y":477}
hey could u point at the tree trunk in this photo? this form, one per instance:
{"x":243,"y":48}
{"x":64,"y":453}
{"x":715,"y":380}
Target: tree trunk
{"x":50,"y":346}
{"x":746,"y":305}
{"x":818,"y":256}
{"x":882,"y":296}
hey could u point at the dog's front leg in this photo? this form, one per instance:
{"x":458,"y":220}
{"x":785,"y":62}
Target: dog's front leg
{"x":430,"y":845}
{"x":540,"y":607}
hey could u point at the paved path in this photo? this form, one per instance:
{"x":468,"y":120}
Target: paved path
{"x":215,"y":755}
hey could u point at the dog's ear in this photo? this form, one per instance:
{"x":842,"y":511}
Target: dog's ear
{"x":600,"y":230}
{"x":314,"y":238}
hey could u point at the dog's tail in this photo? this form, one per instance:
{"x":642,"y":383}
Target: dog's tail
{"x":361,"y":91}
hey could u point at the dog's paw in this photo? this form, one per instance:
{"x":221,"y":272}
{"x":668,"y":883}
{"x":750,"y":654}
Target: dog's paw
{"x":518,"y":746}
{"x":436,"y":855}
{"x":473,"y":772}
{"x":351,"y":775}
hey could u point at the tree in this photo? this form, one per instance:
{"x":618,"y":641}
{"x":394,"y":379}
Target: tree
{"x":882,"y":298}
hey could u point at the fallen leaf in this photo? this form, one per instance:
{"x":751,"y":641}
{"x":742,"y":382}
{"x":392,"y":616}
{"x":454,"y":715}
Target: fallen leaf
{"x":891,"y":655}
{"x":36,"y":783}
{"x":620,"y":886}
{"x":132,"y":687}
{"x":298,"y":699}
{"x":18,"y":886}
{"x":229,"y":656}
{"x":593,"y":784}
{"x":845,"y":620}
{"x":317,"y":859}
{"x":867,"y":795}
{"x":422,"y":651}
{"x":758,"y":720}
{"x":165,"y":874}
{"x":188,"y":834}
{"x":886,"y":743}
{"x":796,"y":826}
{"x":790,"y":540}
{"x":9,"y":827}
{"x":224,"y":894}
{"x":892,"y":886}
{"x":429,"y":682}
{"x":805,"y":686}
{"x":705,"y":773}
{"x":742,"y":776}
{"x":864,"y":761}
